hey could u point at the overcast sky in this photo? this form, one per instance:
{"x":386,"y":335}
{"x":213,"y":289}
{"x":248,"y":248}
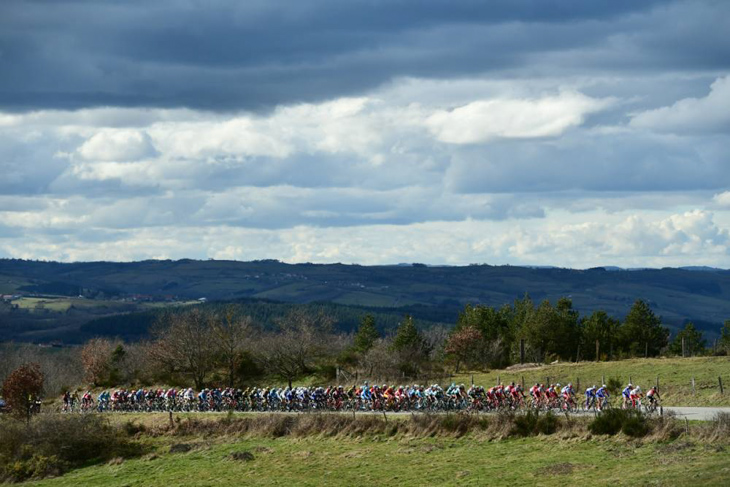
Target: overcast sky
{"x":572,"y":133}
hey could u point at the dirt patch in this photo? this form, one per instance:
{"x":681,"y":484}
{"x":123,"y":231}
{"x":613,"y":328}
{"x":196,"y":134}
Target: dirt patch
{"x":462,"y":474}
{"x":676,"y":447}
{"x":430,"y":448}
{"x":180,"y":448}
{"x":116,"y":461}
{"x":242,"y":456}
{"x":263,"y":449}
{"x":303,"y":454}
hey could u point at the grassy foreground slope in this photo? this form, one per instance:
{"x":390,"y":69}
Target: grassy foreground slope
{"x":380,"y":461}
{"x":675,"y":377}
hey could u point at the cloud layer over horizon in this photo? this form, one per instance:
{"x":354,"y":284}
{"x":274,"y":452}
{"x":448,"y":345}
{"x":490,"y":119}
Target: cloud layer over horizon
{"x":593,"y":133}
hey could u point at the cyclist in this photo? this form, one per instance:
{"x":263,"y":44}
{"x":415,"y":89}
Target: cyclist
{"x":536,"y":394}
{"x":636,"y":397}
{"x":87,"y":401}
{"x":590,"y":397}
{"x":653,"y":396}
{"x":602,"y":395}
{"x":103,"y":400}
{"x":626,"y":395}
{"x":568,"y":395}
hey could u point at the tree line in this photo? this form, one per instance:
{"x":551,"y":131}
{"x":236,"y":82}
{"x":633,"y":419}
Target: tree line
{"x":202,"y":347}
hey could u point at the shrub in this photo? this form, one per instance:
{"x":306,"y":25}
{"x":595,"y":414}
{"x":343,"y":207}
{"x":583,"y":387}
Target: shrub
{"x":22,"y":388}
{"x":635,"y":426}
{"x":533,"y":423}
{"x":52,"y":445}
{"x":613,"y":421}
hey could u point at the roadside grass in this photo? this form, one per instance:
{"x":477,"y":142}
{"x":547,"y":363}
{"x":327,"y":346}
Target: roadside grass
{"x":380,"y":460}
{"x":675,"y":377}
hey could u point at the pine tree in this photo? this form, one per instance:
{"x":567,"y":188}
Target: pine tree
{"x":642,"y":331}
{"x":694,"y":344}
{"x":407,"y":336}
{"x":724,"y":343}
{"x":366,"y":334}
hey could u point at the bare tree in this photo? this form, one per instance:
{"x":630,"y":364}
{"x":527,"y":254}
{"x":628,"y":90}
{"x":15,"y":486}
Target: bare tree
{"x":232,"y":336}
{"x":301,"y":339}
{"x":185,"y":343}
{"x":380,"y":362}
{"x":62,"y":368}
{"x":96,"y":356}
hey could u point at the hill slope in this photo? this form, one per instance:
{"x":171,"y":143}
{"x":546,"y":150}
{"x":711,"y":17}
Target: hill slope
{"x":675,"y":294}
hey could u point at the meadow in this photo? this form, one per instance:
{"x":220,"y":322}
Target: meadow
{"x":196,"y":454}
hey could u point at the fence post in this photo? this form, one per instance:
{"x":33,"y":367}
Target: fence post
{"x":598,"y":351}
{"x":693,"y":385}
{"x":499,"y":379}
{"x":684,"y":348}
{"x":472,"y":379}
{"x":719,"y":379}
{"x":646,"y":350}
{"x":603,"y":379}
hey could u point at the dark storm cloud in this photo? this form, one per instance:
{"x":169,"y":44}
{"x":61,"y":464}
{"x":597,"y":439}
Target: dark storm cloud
{"x":230,"y":55}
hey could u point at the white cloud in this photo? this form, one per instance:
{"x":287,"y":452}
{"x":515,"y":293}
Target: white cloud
{"x":484,"y":120}
{"x":117,"y":145}
{"x":626,"y":240}
{"x":510,"y":176}
{"x":722,"y":199}
{"x":693,"y":115}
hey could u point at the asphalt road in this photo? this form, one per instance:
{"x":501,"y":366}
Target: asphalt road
{"x":702,"y":414}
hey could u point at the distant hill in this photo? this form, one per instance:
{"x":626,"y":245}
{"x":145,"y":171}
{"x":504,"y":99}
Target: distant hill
{"x":698,"y":294}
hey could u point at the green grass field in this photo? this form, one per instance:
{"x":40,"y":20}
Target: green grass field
{"x":675,"y":377}
{"x":409,"y":461}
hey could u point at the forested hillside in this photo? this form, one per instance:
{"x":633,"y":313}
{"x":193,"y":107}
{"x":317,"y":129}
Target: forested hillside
{"x":431,"y":294}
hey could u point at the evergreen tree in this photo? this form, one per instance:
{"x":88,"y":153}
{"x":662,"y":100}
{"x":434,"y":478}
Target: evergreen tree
{"x":642,"y":331}
{"x":366,"y":334}
{"x":407,"y":336}
{"x":495,"y":330}
{"x":603,"y":328}
{"x":694,"y":344}
{"x":724,"y":342}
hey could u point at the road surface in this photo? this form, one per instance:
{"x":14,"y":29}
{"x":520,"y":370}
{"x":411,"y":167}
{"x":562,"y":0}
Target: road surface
{"x":702,"y":414}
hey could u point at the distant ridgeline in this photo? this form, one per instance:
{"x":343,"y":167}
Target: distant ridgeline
{"x":122,"y":299}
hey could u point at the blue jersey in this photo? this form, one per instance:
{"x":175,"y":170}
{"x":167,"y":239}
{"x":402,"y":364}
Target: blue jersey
{"x":627,"y":392}
{"x":602,"y":392}
{"x":590,"y":392}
